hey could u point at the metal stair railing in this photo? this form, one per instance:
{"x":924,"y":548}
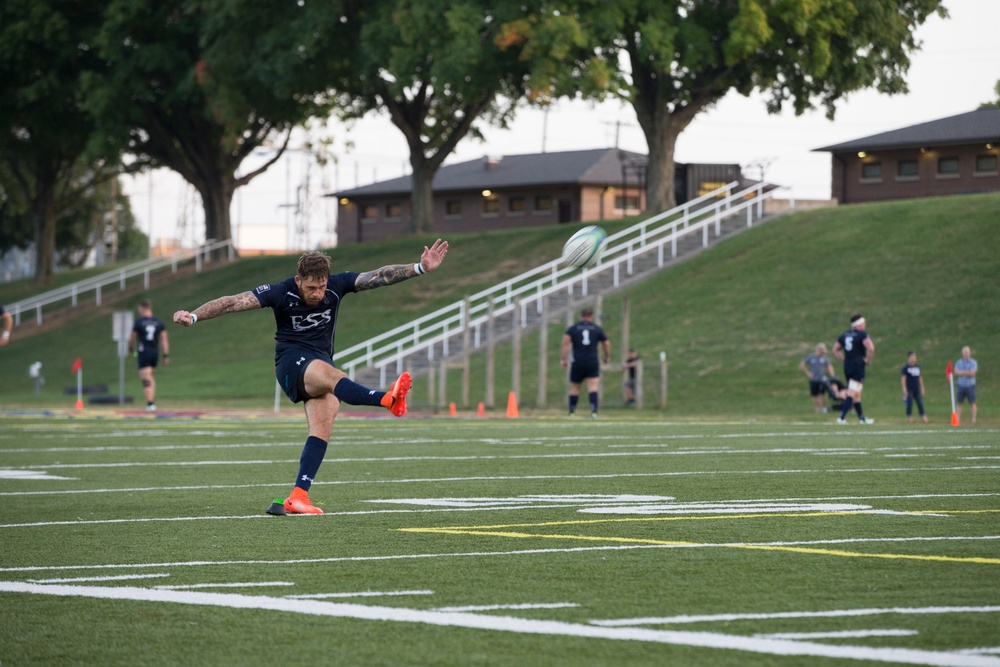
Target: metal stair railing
{"x":73,"y":292}
{"x":660,"y":233}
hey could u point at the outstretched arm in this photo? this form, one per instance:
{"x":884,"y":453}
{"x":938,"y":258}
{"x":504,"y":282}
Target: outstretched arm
{"x":217,"y":307}
{"x":430,"y":259}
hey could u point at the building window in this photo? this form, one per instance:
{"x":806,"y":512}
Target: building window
{"x":947,"y":166}
{"x":908,"y":169}
{"x":393,"y":211}
{"x":491,"y":205}
{"x":986,"y":165}
{"x":626,"y":202}
{"x":369,"y":212}
{"x":453,"y":207}
{"x":543,"y":203}
{"x":516,"y":205}
{"x":871,"y":171}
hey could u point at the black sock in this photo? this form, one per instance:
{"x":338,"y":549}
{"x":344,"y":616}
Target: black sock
{"x":593,"y":402}
{"x":352,"y":393}
{"x":848,"y":401}
{"x":861,"y":413}
{"x":572,"y":403}
{"x":312,"y":457}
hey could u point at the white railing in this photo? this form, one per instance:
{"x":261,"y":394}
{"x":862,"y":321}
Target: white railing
{"x":660,"y":233}
{"x":73,"y":293}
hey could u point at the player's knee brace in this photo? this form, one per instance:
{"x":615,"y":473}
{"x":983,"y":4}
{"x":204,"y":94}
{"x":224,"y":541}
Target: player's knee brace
{"x":147,"y":383}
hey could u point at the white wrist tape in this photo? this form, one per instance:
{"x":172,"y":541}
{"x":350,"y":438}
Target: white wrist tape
{"x":194,"y":318}
{"x":419,"y":269}
{"x":6,"y":335}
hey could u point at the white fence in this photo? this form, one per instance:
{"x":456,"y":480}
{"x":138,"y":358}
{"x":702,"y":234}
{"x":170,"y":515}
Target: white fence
{"x":120,"y":277}
{"x":659,"y":233}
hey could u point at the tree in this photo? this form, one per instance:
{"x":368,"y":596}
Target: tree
{"x":995,"y":104}
{"x":686,"y":55}
{"x":436,"y":67}
{"x":195,"y":84}
{"x":49,"y":155}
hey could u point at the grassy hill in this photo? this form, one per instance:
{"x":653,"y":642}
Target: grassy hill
{"x":734,"y":321}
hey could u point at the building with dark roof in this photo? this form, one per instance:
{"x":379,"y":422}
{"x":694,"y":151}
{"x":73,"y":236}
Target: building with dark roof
{"x":954,"y":155}
{"x":518,"y":191}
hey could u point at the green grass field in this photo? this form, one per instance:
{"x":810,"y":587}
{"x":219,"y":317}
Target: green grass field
{"x":452,"y":541}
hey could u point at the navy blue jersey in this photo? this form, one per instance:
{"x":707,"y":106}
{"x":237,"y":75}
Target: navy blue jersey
{"x":586,"y":337}
{"x":912,"y":375}
{"x":299,"y":325}
{"x":147,"y":334}
{"x":853,"y":344}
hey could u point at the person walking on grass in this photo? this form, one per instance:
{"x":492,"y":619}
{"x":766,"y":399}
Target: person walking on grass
{"x":149,"y":336}
{"x":913,"y":387}
{"x":819,"y":370}
{"x":305,"y":313}
{"x":585,"y":337}
{"x":965,"y":372}
{"x":856,"y":349}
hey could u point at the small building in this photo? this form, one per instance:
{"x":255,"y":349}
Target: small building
{"x":954,"y":155}
{"x":518,"y":191}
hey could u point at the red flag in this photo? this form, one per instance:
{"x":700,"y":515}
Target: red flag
{"x":77,"y":365}
{"x":947,"y":371}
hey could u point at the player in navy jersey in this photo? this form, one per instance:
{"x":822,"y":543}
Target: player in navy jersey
{"x":585,"y":337}
{"x":148,"y":336}
{"x":305,"y":313}
{"x":856,"y":349}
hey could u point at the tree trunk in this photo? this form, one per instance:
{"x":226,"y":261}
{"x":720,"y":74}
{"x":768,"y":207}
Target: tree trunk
{"x":422,"y":200}
{"x":45,"y":215}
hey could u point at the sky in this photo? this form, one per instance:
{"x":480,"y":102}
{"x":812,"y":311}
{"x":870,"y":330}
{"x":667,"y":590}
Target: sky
{"x":954,"y":72}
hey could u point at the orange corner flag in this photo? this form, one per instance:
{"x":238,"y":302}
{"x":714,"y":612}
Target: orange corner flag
{"x":77,"y":365}
{"x":511,"y":405}
{"x":451,"y":409}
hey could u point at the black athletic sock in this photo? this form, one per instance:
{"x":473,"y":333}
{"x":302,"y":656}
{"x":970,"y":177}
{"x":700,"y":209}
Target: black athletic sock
{"x":312,"y":457}
{"x":572,"y":403}
{"x":352,"y":393}
{"x":848,"y":402}
{"x":861,"y":413}
{"x":593,"y":402}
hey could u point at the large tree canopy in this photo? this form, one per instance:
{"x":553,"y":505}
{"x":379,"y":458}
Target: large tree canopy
{"x":685,"y":55}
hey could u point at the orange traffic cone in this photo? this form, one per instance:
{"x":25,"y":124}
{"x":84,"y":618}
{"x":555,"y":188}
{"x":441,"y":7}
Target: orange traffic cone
{"x":451,"y":409}
{"x":79,"y":404}
{"x":481,"y":410}
{"x":954,"y":419}
{"x":511,"y":405}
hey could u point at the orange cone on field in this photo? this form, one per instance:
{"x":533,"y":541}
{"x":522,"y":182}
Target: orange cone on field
{"x":954,"y":419}
{"x":481,"y":410}
{"x":451,"y":409}
{"x":511,"y":405}
{"x":79,"y":404}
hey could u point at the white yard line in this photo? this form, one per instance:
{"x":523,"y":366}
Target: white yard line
{"x":832,"y":613}
{"x":358,"y":594}
{"x":710,"y":640}
{"x":839,"y":634}
{"x":235,"y":584}
{"x":119,"y":577}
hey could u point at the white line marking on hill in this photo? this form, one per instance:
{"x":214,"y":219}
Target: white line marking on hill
{"x":709,"y":640}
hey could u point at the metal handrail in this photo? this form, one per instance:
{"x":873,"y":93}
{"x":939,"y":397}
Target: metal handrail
{"x":120,"y":276}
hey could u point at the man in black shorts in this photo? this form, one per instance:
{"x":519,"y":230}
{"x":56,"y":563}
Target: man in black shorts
{"x":584,"y":337}
{"x":305,"y":312}
{"x":149,"y":335}
{"x":856,"y":349}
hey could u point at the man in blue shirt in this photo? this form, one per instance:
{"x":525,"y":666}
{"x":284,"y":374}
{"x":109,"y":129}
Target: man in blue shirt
{"x":856,"y":349}
{"x":965,"y":372}
{"x":585,"y":337}
{"x":305,"y":313}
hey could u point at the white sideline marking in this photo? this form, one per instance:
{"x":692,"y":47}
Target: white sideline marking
{"x":504,"y":478}
{"x":464,"y":554}
{"x":839,"y":634}
{"x":359,"y":594}
{"x":498,"y":607}
{"x":833,"y":613}
{"x":119,"y":577}
{"x":237,"y":584}
{"x":23,"y":473}
{"x":709,"y":640}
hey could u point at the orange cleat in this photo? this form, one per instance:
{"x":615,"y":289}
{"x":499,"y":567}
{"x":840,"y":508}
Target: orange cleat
{"x":395,"y":398}
{"x":298,"y":503}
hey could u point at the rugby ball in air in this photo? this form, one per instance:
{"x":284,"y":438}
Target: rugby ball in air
{"x":584,"y":248}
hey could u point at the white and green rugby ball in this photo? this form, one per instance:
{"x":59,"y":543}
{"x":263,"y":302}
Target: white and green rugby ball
{"x":584,"y":248}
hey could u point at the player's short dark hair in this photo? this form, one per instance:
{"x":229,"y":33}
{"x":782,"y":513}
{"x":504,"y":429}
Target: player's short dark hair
{"x":313,"y":264}
{"x":856,"y":317}
{"x":587,"y":312}
{"x":146,"y":304}
{"x":910,"y":352}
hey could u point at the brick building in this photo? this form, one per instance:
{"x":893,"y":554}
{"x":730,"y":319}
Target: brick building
{"x":519,"y":191}
{"x":954,"y":155}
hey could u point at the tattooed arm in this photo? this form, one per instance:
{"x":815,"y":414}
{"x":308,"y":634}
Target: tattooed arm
{"x":217,"y":307}
{"x":430,"y":259}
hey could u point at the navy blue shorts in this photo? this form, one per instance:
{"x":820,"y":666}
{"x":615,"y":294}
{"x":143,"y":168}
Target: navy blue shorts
{"x":147,"y":359}
{"x":579,"y":372}
{"x":290,"y":370}
{"x":965,"y":394}
{"x":855,"y":370}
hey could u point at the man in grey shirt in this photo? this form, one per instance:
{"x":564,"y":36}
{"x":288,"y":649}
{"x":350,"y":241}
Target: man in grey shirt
{"x":818,"y":369}
{"x":965,"y":372}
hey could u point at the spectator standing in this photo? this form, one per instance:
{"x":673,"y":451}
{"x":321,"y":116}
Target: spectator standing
{"x":629,"y":386}
{"x":913,"y":387}
{"x":965,"y":372}
{"x":819,"y":370}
